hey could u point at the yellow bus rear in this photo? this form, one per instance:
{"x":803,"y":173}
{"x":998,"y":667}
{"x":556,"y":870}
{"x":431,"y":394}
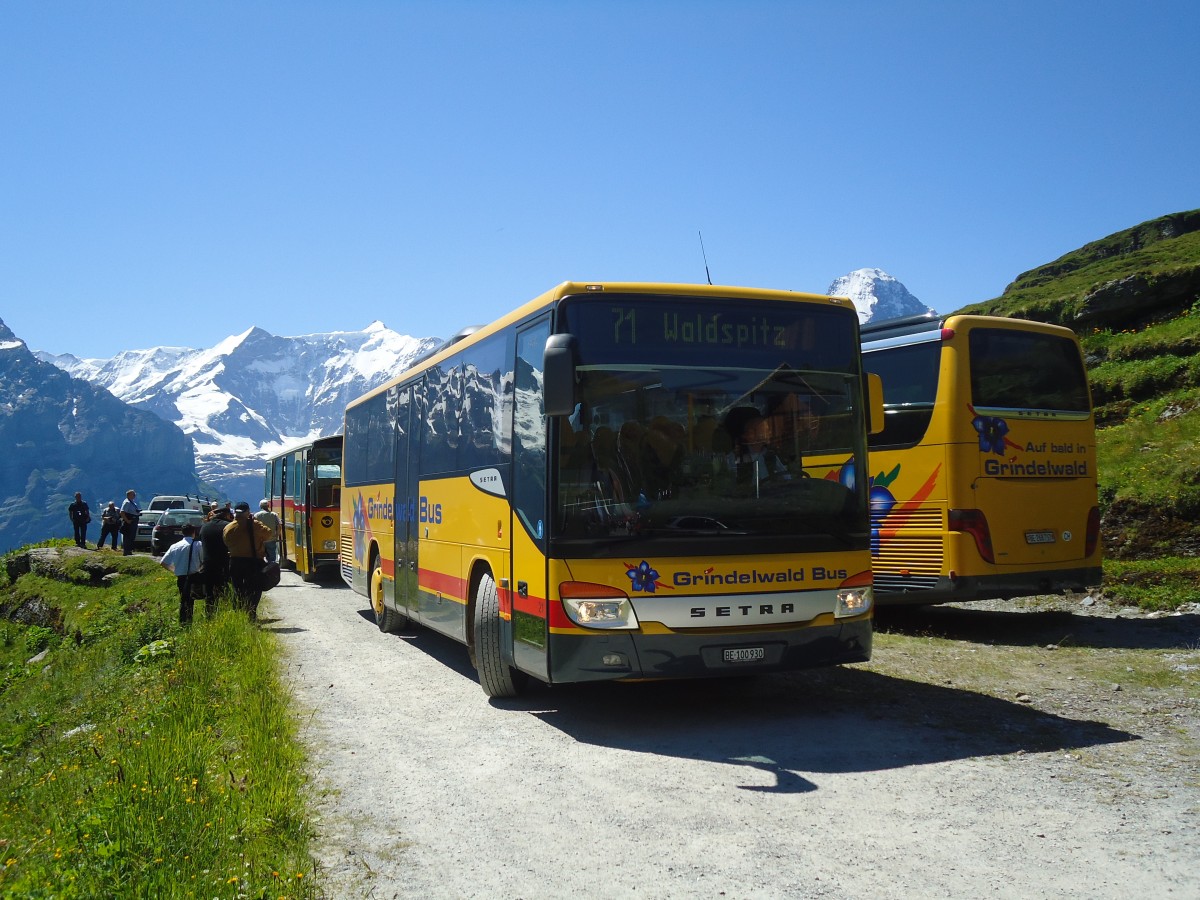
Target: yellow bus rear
{"x":983,"y":480}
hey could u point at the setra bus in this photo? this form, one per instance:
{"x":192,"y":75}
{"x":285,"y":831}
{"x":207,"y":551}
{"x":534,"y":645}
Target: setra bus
{"x":303,"y":487}
{"x":623,"y":481}
{"x":983,"y":479}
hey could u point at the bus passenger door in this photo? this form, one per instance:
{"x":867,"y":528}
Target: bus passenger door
{"x":278,"y":506}
{"x":404,"y":525}
{"x":525,"y":596}
{"x":303,"y":555}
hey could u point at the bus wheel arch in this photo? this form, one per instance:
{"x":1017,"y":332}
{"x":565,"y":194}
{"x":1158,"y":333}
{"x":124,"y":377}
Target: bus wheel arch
{"x":387,"y":619}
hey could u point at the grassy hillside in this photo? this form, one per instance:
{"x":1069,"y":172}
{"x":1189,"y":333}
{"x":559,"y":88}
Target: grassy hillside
{"x":139,"y":758}
{"x":1134,"y":300}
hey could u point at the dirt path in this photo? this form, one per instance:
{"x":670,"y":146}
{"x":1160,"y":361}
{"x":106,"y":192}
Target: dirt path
{"x":879,"y":780}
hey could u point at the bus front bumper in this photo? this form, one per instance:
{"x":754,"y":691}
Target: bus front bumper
{"x":633,"y":655}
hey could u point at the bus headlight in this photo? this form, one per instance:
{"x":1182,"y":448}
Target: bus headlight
{"x":597,"y":606}
{"x":330,"y":545}
{"x":854,"y":602}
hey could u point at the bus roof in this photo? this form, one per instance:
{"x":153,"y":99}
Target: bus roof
{"x":892,"y":330}
{"x":326,"y":439}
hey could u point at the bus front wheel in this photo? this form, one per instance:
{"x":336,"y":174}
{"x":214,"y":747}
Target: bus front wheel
{"x":496,"y":677}
{"x":388,"y":620}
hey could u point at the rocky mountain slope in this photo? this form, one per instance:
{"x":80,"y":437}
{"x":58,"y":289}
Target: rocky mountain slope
{"x":253,"y":394}
{"x":61,"y":435}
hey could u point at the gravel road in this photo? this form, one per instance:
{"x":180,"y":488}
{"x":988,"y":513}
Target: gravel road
{"x":839,"y":783}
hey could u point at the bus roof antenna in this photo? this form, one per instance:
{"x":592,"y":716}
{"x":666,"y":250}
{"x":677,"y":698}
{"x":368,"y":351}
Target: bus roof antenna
{"x":705,"y":255}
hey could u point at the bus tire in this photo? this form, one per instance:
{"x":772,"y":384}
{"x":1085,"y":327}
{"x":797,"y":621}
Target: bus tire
{"x":388,"y":620}
{"x":496,"y":677}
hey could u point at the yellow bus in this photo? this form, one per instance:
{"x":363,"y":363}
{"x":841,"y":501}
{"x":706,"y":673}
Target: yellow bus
{"x":622,"y":481}
{"x":303,"y":486}
{"x":983,"y":479}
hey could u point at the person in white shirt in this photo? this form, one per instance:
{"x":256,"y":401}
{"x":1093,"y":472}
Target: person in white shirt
{"x":183,"y":558}
{"x":130,"y":512}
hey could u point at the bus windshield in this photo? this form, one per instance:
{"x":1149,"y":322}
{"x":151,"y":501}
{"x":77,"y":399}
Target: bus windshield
{"x":675,"y":437}
{"x":327,"y":483}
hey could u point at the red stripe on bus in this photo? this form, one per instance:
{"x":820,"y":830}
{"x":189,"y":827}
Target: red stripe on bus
{"x":450,"y":585}
{"x":506,"y":600}
{"x":558,"y":616}
{"x":530,"y":606}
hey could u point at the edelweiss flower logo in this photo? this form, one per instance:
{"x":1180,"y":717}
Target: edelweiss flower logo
{"x":643,"y":576}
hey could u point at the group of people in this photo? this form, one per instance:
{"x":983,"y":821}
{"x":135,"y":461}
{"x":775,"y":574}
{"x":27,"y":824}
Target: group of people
{"x":113,"y":521}
{"x":230,"y":548}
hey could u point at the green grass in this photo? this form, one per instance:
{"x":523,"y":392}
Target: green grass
{"x":1179,"y":334}
{"x":139,"y":759}
{"x":1151,"y":457}
{"x":1165,"y":583}
{"x":1050,"y":295}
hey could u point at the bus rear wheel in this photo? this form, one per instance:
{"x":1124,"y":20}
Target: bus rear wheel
{"x":496,"y":677}
{"x":388,"y":620}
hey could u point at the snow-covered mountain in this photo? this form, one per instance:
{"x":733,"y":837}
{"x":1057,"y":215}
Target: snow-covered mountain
{"x":253,"y":394}
{"x":878,"y":296}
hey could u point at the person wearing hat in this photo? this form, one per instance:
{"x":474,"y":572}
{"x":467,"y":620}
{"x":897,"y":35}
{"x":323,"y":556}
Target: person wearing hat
{"x":215,"y":572}
{"x":182,"y":560}
{"x":246,"y":538}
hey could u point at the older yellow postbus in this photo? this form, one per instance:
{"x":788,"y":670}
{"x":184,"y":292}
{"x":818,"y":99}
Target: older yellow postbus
{"x":303,"y":487}
{"x":623,"y":481}
{"x":983,"y":479}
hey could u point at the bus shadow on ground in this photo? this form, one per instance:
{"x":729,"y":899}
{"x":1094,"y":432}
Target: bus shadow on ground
{"x":322,"y":580}
{"x":840,"y":720}
{"x":1031,"y":629}
{"x":447,"y":651}
{"x":836,"y":720}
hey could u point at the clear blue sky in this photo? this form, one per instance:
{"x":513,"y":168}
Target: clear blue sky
{"x":173,"y":173}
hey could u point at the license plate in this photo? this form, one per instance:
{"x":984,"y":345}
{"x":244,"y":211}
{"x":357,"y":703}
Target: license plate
{"x":1039,"y":537}
{"x":745,"y":654}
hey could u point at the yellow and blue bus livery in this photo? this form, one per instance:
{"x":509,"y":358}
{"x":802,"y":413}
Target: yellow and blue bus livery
{"x":983,"y":479}
{"x":622,"y":481}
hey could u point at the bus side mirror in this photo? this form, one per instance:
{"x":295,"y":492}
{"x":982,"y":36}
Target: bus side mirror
{"x":875,"y":401}
{"x":558,"y":375}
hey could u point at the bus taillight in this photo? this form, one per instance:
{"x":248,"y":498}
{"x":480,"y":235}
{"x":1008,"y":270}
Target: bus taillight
{"x":974,"y":523}
{"x":1093,"y":531}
